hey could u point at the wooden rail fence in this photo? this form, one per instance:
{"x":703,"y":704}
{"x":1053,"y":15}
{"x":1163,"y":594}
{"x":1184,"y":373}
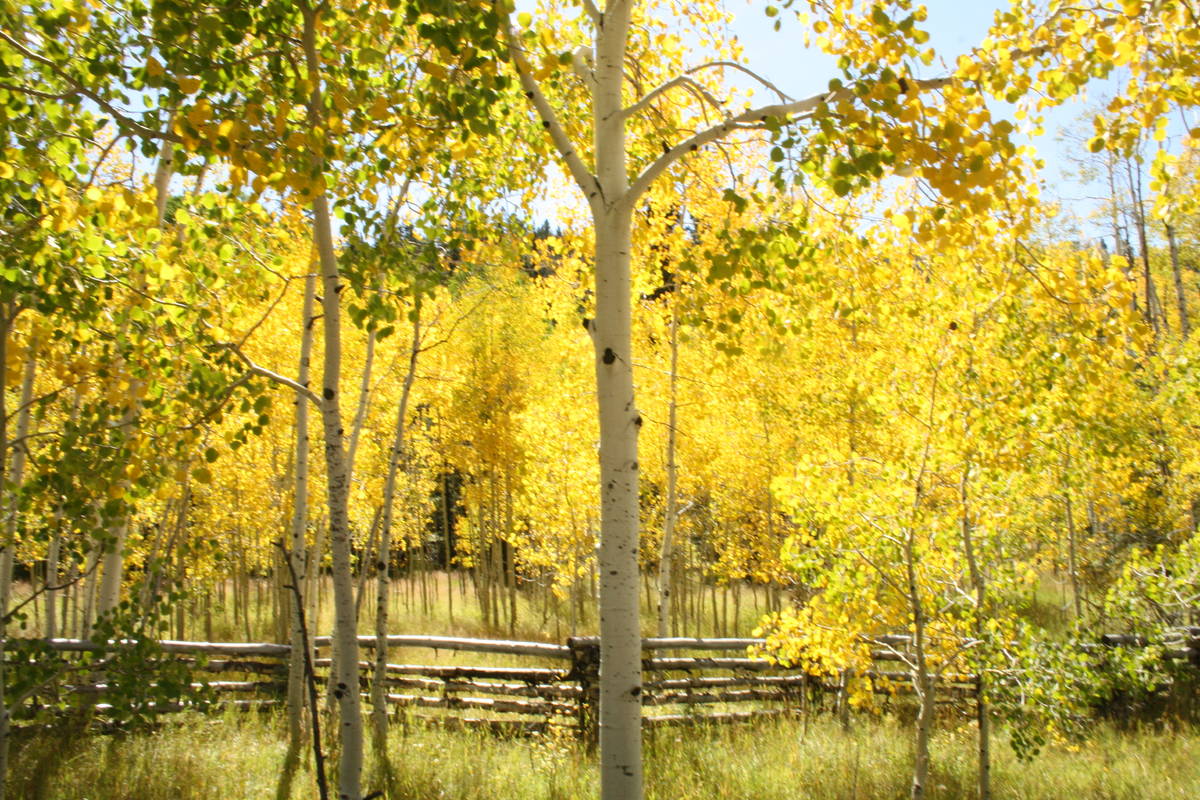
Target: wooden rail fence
{"x":685,"y":680}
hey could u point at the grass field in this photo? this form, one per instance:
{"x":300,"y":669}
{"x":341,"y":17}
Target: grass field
{"x":242,"y":757}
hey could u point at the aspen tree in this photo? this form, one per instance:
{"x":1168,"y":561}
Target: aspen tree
{"x":612,"y":194}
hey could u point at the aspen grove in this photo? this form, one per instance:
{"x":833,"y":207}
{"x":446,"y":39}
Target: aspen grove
{"x":532,"y":321}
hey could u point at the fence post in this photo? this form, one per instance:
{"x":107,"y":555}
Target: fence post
{"x":585,"y":669}
{"x":843,"y":698}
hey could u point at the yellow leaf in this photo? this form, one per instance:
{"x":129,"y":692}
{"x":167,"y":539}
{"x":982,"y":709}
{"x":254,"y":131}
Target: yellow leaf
{"x":434,"y":69}
{"x":188,"y":84}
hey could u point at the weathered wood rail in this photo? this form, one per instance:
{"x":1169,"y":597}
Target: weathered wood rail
{"x":686,"y":681}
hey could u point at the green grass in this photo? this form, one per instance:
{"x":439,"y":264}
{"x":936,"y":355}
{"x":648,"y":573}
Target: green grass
{"x":241,"y":757}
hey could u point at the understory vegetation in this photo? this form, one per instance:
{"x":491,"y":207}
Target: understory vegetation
{"x":355,"y":318}
{"x":204,"y":758}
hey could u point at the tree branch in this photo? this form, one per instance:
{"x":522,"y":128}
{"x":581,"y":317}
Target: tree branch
{"x":583,"y":177}
{"x":653,"y":94}
{"x":785,"y":111}
{"x":119,"y":117}
{"x":263,"y":372}
{"x":783,"y":96}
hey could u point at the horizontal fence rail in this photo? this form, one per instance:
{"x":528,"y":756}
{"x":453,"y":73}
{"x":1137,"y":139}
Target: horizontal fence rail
{"x":686,"y":680}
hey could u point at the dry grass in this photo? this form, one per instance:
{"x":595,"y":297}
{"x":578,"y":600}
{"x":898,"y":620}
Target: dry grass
{"x":241,"y":757}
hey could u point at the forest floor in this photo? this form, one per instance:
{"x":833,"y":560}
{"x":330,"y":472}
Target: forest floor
{"x":201,"y":758}
{"x":242,"y":756}
{"x":441,"y":603}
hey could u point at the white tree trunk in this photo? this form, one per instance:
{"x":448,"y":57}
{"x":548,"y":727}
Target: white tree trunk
{"x":671,"y":512}
{"x":345,"y":672}
{"x":50,"y":628}
{"x":344,"y":675}
{"x":923,"y":682}
{"x":112,"y":567}
{"x":620,"y":422}
{"x":16,"y":475}
{"x":364,"y":401}
{"x":298,"y":546}
{"x":395,"y":460}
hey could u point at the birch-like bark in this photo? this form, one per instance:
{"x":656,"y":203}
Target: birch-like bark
{"x":298,"y":546}
{"x":344,"y":675}
{"x":345,"y":672}
{"x":364,"y":401}
{"x":396,"y":459}
{"x":446,"y":554}
{"x":620,"y":423}
{"x":611,"y":198}
{"x":53,"y":556}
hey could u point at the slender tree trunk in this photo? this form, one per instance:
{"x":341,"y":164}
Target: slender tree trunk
{"x":89,"y":591}
{"x":979,"y":583}
{"x":364,"y":402}
{"x":344,"y":676}
{"x":7,"y":509}
{"x":1185,"y":326}
{"x":923,"y":680}
{"x":298,"y":544}
{"x":52,"y":557}
{"x":620,"y":639}
{"x":1071,"y":554}
{"x":1154,"y":315}
{"x":510,"y":574}
{"x":16,"y":475}
{"x":395,"y":461}
{"x":367,"y":559}
{"x":664,"y":559}
{"x":446,"y":554}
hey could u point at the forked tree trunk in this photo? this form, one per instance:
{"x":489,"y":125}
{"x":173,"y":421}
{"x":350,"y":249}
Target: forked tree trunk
{"x":611,"y":199}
